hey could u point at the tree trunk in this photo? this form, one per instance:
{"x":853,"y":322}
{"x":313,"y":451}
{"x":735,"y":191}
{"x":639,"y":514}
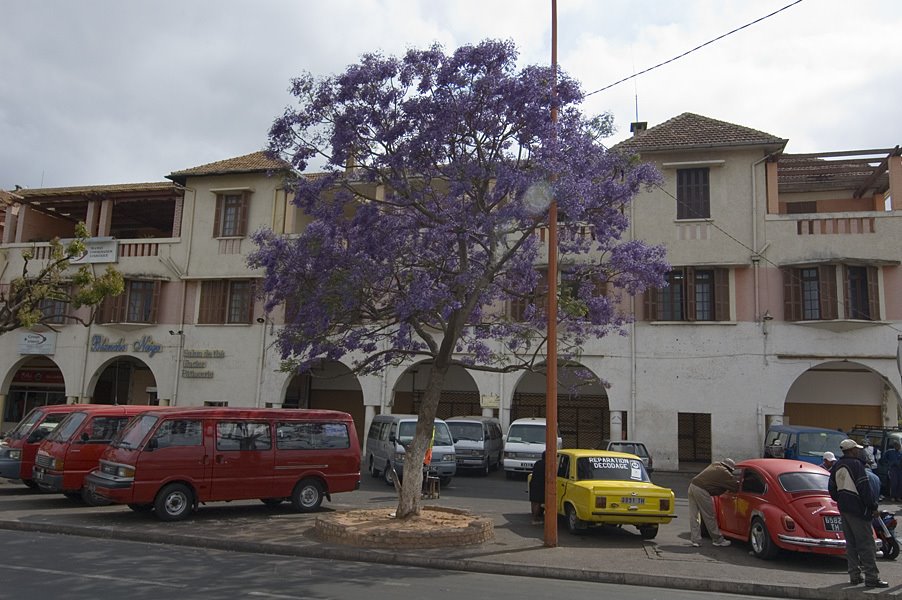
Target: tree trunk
{"x":412,"y":486}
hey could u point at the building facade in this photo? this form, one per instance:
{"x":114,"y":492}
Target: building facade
{"x":782,"y":305}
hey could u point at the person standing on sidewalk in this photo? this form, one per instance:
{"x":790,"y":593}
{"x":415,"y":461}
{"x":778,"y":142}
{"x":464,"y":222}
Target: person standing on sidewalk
{"x":716,"y":479}
{"x":850,"y":487}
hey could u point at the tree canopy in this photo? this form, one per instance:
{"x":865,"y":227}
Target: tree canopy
{"x":426,"y":221}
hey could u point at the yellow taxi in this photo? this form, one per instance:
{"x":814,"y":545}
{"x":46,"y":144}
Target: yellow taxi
{"x":598,"y":487}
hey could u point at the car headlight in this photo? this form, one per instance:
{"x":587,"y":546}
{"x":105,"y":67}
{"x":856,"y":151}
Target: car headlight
{"x":125,"y":471}
{"x":15,"y":453}
{"x":57,"y":464}
{"x":399,"y":457}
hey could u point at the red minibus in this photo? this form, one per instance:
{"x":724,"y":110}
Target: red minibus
{"x":172,"y":460}
{"x":19,"y":448}
{"x":72,"y":450}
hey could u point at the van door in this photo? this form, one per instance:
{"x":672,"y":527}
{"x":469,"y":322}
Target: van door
{"x":178,"y":448}
{"x":243,"y":460}
{"x":87,"y":446}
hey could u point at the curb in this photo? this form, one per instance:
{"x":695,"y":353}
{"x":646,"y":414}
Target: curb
{"x":835,"y":592}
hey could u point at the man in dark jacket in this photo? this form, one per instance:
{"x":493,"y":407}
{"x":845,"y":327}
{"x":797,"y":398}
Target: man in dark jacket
{"x":850,"y":487}
{"x":713,"y":481}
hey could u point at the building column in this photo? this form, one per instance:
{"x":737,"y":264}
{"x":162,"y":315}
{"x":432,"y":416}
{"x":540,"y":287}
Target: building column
{"x":895,"y":182}
{"x":20,"y":223}
{"x":106,"y":218}
{"x":2,"y":410}
{"x":9,"y":230}
{"x":616,"y":424}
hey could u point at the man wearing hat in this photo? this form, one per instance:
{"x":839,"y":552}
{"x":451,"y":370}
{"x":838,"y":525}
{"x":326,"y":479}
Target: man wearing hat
{"x":713,"y":481}
{"x":829,"y":460}
{"x":850,"y":487}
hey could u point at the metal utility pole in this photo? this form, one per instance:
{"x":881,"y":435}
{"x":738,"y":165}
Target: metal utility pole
{"x":551,"y":355}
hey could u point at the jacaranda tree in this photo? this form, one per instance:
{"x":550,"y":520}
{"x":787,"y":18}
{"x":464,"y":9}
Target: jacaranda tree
{"x":425,"y":224}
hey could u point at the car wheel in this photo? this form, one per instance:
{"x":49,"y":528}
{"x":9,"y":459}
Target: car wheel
{"x":575,"y":525}
{"x":307,"y":495}
{"x":444,"y":481}
{"x":387,"y":475}
{"x":30,"y":483}
{"x":173,"y":502}
{"x":140,"y":508}
{"x":890,"y":549}
{"x":74,"y":496}
{"x":486,"y":467}
{"x":509,"y":474}
{"x":374,"y":472}
{"x":759,"y":537}
{"x":648,"y":532}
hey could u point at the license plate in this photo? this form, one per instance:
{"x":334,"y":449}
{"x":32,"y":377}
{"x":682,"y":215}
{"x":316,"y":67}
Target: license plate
{"x":90,"y":487}
{"x":39,"y":475}
{"x":526,"y":465}
{"x":833,"y":523}
{"x":632,"y":500}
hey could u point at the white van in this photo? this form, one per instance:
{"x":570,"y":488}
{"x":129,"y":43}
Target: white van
{"x":385,"y":441}
{"x":524,"y":444}
{"x":478,"y":442}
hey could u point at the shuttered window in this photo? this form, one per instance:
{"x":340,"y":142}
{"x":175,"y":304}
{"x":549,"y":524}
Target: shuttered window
{"x":138,"y":303}
{"x":693,"y":194}
{"x":226,"y":301}
{"x":230,"y":219}
{"x":691,"y":294}
{"x":861,"y":301}
{"x":809,"y":293}
{"x":539,"y":298}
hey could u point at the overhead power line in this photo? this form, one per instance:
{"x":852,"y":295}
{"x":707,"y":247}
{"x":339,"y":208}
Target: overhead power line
{"x":720,"y":37}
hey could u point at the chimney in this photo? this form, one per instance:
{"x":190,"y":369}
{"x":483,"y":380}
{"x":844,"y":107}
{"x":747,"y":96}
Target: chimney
{"x":638,"y":128}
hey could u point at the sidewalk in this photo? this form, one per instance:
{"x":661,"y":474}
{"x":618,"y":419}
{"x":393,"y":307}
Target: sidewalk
{"x":607,"y":555}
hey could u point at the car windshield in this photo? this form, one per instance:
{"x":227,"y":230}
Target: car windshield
{"x":134,"y":432}
{"x":629,"y":448}
{"x":408,"y":428}
{"x":815,"y":443}
{"x":26,"y":424}
{"x":804,"y":482}
{"x":68,"y":427}
{"x":610,"y":468}
{"x":526,"y":434}
{"x":465,"y":431}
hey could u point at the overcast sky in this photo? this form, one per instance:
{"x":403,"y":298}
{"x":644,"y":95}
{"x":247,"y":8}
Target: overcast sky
{"x":113,"y":91}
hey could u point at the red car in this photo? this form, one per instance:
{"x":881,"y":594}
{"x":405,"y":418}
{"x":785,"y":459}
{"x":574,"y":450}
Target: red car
{"x":781,"y":504}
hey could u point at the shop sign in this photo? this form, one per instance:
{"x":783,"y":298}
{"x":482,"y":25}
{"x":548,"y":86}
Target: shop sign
{"x":194,"y":365}
{"x":97,"y":250}
{"x":34,"y":342}
{"x":101,"y":343}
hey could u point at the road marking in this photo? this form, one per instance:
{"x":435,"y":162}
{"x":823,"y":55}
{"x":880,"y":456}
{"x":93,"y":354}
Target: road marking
{"x":90,"y":576}
{"x":283,"y":596}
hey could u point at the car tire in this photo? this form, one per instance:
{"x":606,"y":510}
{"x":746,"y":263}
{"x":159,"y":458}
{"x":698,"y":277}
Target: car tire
{"x":444,"y":481}
{"x":92,"y":499}
{"x":890,"y":549}
{"x":374,"y":472}
{"x":174,"y":502}
{"x":387,"y":475}
{"x":484,"y":471}
{"x":141,"y":508}
{"x":30,"y":483}
{"x":648,"y":532}
{"x":307,"y":495}
{"x":575,"y":525}
{"x":509,"y":475}
{"x":763,"y":546}
{"x":74,"y":496}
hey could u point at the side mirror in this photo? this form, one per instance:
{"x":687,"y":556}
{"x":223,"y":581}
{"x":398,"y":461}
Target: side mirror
{"x":152,"y":444}
{"x":85,"y":437}
{"x":37,"y":435}
{"x":392,"y":439}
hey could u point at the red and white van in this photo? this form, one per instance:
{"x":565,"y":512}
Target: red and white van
{"x":20,"y":446}
{"x":171,"y":460}
{"x":73,"y":448}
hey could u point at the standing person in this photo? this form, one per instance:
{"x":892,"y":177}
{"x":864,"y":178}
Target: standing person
{"x":829,"y":461}
{"x":716,"y":479}
{"x":850,"y":487}
{"x":893,"y":460}
{"x":537,"y":490}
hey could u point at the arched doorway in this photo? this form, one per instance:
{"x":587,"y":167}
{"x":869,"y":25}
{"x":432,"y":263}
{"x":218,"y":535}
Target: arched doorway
{"x":840,"y":395}
{"x":329,"y":386}
{"x":37,"y":382}
{"x":584,"y":417}
{"x":460,"y":395}
{"x":125,"y":380}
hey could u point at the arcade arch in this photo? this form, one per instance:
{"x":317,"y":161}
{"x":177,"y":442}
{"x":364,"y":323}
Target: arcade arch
{"x":330,"y":386}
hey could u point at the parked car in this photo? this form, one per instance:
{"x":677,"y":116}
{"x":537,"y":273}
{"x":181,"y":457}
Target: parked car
{"x":20,"y":446}
{"x":478,"y":442}
{"x":389,"y":434}
{"x":801,"y":442}
{"x":781,"y":503}
{"x":630,"y":447}
{"x":598,"y":487}
{"x":171,"y":460}
{"x":72,"y":450}
{"x":524,"y":444}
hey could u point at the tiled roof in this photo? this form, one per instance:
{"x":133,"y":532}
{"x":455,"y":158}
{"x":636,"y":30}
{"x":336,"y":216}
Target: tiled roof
{"x":691,"y":131}
{"x":84,"y":190}
{"x":863,"y":171}
{"x":249,"y":163}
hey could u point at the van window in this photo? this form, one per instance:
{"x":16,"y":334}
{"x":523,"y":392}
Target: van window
{"x":179,"y":432}
{"x":311,"y":436}
{"x":135,"y":431}
{"x":376,"y":428}
{"x":814,"y":444}
{"x":563,"y":466}
{"x":68,"y":427}
{"x":26,"y":424}
{"x":531,"y":434}
{"x":103,"y":429}
{"x":466,"y":431}
{"x":442,"y":435}
{"x":637,"y":449}
{"x":242,"y":435}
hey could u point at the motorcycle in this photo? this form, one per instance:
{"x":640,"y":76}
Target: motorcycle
{"x":885,"y":529}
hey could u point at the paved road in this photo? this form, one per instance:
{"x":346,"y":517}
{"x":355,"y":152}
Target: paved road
{"x":607,"y":555}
